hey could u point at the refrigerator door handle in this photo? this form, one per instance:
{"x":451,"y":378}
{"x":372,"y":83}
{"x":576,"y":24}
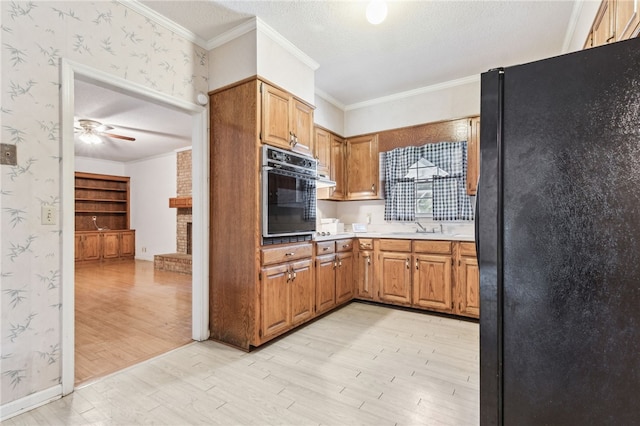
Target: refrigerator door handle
{"x":476,"y":222}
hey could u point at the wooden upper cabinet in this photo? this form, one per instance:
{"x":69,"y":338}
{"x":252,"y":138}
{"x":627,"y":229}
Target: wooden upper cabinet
{"x":627,"y":21}
{"x":275,"y":117}
{"x":473,"y":156}
{"x":286,"y":121}
{"x":322,"y":151}
{"x":337,"y":175}
{"x":362,"y":168}
{"x":302,"y":126}
{"x":616,"y":20}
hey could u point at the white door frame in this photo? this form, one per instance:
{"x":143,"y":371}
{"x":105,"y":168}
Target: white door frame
{"x":200,"y":192}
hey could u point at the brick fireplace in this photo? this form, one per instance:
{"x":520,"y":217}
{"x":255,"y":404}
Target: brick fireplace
{"x":181,"y":260}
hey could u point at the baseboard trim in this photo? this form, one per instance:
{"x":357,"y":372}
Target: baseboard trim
{"x":29,"y":402}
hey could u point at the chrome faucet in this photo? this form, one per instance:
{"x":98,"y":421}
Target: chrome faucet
{"x":421,"y":228}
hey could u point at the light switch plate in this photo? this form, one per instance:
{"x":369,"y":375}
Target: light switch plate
{"x":8,"y":154}
{"x":49,"y":215}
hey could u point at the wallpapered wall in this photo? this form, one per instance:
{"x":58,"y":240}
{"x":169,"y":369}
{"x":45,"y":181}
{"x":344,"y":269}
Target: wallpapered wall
{"x":35,"y":35}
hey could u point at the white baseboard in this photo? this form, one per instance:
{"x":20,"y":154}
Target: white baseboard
{"x":30,"y":402}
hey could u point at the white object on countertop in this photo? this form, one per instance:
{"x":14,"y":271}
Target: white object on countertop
{"x":329,"y":220}
{"x":332,"y":228}
{"x":359,"y":227}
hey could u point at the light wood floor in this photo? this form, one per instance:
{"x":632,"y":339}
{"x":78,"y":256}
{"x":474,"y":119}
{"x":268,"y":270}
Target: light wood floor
{"x":362,"y":364}
{"x":126,"y":312}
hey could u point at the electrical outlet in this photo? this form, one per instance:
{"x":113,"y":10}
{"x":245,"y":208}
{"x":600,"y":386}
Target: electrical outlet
{"x":144,"y":249}
{"x":49,"y":215}
{"x":369,"y":218}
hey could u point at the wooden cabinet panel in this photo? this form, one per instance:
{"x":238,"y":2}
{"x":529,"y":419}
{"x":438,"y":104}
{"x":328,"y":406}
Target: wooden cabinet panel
{"x":432,"y":282}
{"x":275,"y":117}
{"x":365,"y":243}
{"x":274,"y":300}
{"x":395,"y":245}
{"x":365,"y":274}
{"x":325,"y":247}
{"x":103,"y":197}
{"x":90,"y":246}
{"x":432,"y":247}
{"x":344,"y":245}
{"x":273,"y":255}
{"x":127,"y":243}
{"x":627,"y":18}
{"x":344,"y":277}
{"x":110,"y":245}
{"x":468,"y":292}
{"x":325,"y":283}
{"x":302,"y":127}
{"x":338,"y":192}
{"x":77,"y":247}
{"x":302,"y":291}
{"x":362,"y":168}
{"x":322,"y":149}
{"x":473,"y":156}
{"x":394,"y":282}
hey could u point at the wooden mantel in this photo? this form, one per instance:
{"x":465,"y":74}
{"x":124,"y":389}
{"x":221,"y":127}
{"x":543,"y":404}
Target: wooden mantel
{"x":180,"y":202}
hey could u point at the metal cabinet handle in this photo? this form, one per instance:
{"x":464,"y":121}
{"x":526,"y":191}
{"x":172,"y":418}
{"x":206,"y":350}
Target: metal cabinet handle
{"x":289,"y":254}
{"x":294,"y":276}
{"x":325,"y":248}
{"x":373,"y":187}
{"x":368,"y":260}
{"x":407,"y":263}
{"x":416,"y":264}
{"x":346,"y":246}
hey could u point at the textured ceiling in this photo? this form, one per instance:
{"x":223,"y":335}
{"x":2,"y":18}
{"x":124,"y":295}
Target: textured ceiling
{"x":421,"y":43}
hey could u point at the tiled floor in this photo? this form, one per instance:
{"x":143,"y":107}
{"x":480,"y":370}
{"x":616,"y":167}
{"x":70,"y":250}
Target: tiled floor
{"x":362,"y":364}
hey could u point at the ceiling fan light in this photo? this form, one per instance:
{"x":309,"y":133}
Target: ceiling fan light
{"x":376,"y":11}
{"x":90,"y":138}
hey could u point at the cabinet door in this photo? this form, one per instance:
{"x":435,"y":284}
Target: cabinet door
{"x":362,"y":168}
{"x":473,"y":155}
{"x":322,"y":151}
{"x":337,"y":168}
{"x":394,"y":282}
{"x":365,"y":277}
{"x":302,"y":126}
{"x":275,"y":117}
{"x":432,"y":282}
{"x":627,"y":18}
{"x":302,"y":291}
{"x":78,"y":247}
{"x":128,"y":243}
{"x":325,"y":283}
{"x":344,"y":277}
{"x":274,"y":300}
{"x":468,"y":303}
{"x":602,"y":28}
{"x":110,"y":245}
{"x":91,"y":246}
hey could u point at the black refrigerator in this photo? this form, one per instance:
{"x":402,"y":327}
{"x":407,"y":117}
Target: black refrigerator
{"x":558,"y":238}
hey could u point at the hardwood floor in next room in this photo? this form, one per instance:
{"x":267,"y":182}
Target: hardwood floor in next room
{"x":127,"y":312}
{"x":361,"y":364}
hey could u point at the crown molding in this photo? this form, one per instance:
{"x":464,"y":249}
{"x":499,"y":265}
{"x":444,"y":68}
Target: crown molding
{"x":571,"y":27}
{"x":165,"y":22}
{"x":327,"y":97}
{"x":286,"y":44}
{"x":233,"y":33}
{"x":414,"y":92}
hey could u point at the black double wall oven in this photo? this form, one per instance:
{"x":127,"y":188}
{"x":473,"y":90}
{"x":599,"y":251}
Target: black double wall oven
{"x":288,"y":196}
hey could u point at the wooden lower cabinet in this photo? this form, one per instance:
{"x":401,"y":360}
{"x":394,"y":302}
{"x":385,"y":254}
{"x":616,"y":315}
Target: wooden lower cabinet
{"x":365,"y":274}
{"x":302,"y":291}
{"x":432,"y":282}
{"x":467,"y":294}
{"x":344,"y":277}
{"x":105,"y":245}
{"x":439,"y":276}
{"x":325,"y":283}
{"x":395,"y":278}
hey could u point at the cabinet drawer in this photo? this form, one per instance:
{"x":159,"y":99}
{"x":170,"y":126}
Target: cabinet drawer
{"x":325,"y":247}
{"x":365,"y":243}
{"x":467,"y":249}
{"x":395,"y":245}
{"x":344,"y":245}
{"x":423,"y":246}
{"x":280,"y":254}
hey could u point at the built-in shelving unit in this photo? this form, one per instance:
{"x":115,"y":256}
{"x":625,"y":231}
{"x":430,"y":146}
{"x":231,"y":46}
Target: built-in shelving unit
{"x":104,"y":196}
{"x":102,"y":218}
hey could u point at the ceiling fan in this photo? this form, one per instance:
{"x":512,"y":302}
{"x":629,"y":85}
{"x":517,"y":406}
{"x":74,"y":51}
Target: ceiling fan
{"x":91,"y":130}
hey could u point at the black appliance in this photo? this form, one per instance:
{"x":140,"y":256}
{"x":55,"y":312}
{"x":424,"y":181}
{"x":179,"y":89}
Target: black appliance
{"x":558,"y":234}
{"x":288,"y":196}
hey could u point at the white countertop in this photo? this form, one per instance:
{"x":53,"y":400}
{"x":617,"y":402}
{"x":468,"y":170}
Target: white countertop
{"x":398,"y":235}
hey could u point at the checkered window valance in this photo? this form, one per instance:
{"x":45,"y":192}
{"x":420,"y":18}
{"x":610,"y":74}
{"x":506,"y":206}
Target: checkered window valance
{"x":450,"y":199}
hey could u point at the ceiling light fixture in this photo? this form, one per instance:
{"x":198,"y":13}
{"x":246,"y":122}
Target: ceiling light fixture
{"x":376,"y":11}
{"x":90,"y":138}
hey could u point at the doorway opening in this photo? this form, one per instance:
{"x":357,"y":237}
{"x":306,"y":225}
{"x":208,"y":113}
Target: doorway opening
{"x":72,"y":72}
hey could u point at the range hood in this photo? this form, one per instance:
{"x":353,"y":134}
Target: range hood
{"x":324,"y":182}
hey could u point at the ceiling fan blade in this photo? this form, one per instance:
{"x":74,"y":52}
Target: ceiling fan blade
{"x":111,"y":135}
